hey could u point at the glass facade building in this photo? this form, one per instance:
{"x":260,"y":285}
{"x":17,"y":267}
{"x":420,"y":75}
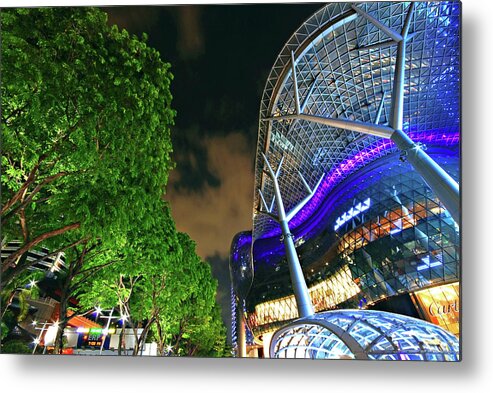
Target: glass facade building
{"x":375,"y":235}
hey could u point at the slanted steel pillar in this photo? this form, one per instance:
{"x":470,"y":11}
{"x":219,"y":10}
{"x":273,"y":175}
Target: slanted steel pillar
{"x":241,"y":330}
{"x":442,"y":184}
{"x":301,"y":294}
{"x":300,"y":289}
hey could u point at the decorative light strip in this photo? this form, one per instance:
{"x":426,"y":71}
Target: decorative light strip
{"x":352,"y":164}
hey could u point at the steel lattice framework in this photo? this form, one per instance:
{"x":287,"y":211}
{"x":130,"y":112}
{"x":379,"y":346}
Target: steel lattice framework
{"x":364,"y":334}
{"x":340,"y":65}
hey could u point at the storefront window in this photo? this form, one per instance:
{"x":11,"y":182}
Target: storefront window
{"x":440,"y":305}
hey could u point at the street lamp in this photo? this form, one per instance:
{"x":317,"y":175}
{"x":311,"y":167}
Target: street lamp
{"x":45,"y":328}
{"x":106,"y":329}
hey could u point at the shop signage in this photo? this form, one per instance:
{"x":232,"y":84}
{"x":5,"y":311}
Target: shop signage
{"x":353,"y":212}
{"x":441,"y":305}
{"x":281,"y":141}
{"x":436,"y":309}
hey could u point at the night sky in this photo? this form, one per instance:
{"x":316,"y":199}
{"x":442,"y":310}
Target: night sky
{"x":220,"y":57}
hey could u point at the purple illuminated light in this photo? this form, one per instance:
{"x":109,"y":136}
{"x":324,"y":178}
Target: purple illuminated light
{"x":352,"y":164}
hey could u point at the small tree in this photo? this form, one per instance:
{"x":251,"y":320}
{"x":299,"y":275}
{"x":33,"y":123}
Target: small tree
{"x":138,"y":284}
{"x":193,"y":326}
{"x":83,"y":263}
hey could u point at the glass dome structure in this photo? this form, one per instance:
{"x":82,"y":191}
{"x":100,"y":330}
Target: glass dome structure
{"x":366,"y":335}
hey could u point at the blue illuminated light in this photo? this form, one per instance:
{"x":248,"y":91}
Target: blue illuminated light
{"x":431,"y":118}
{"x":427,"y":264}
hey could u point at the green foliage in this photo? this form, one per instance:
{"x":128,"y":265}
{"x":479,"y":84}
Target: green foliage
{"x":86,"y":116}
{"x":16,"y":346}
{"x":162,"y":282}
{"x":192,"y":326}
{"x":8,"y":323}
{"x":86,"y":112}
{"x":4,"y":330}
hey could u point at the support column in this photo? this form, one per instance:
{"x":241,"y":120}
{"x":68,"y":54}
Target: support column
{"x":240,"y":327}
{"x":300,"y":289}
{"x":442,"y":184}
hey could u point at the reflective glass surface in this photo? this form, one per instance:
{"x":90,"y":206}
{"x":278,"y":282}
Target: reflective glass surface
{"x":338,"y":78}
{"x":365,"y":334}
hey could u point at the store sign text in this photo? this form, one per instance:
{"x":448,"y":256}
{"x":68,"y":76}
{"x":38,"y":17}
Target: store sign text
{"x":281,"y":141}
{"x":353,"y":212}
{"x":436,"y":309}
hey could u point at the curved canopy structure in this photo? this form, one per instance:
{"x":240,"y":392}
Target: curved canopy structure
{"x":328,"y":102}
{"x":364,"y":334}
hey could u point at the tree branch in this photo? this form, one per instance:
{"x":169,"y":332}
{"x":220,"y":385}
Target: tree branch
{"x":28,"y":200}
{"x":88,"y":273}
{"x":22,"y":190}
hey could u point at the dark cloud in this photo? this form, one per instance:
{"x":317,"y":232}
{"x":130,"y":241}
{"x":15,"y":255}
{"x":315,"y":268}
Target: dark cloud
{"x":136,"y":18}
{"x":213,"y":214}
{"x":190,"y":36}
{"x":192,"y":173}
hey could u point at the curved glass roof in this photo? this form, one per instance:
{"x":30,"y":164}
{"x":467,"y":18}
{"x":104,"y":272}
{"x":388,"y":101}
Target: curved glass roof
{"x":364,"y":334}
{"x":344,"y":70}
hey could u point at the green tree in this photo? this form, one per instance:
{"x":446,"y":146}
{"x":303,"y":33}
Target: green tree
{"x":86,"y":155}
{"x":85,"y":128}
{"x":83,"y":263}
{"x":16,"y":346}
{"x":164,"y":288}
{"x":138,"y":285}
{"x":193,"y":326}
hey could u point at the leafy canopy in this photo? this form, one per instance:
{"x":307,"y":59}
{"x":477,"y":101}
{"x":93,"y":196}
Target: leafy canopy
{"x":86,"y":115}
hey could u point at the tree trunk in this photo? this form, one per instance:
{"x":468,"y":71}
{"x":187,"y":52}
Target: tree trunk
{"x":121,"y":341}
{"x":193,"y":350}
{"x":143,"y":337}
{"x":67,"y":289}
{"x":160,"y":343}
{"x":62,"y":322}
{"x":135,"y":332}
